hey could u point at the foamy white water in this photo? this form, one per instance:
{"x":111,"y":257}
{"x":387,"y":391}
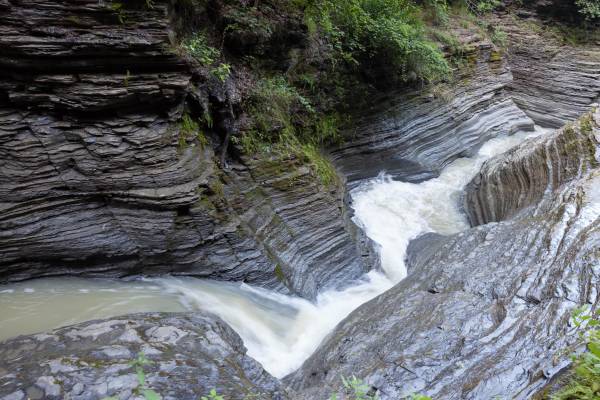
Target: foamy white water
{"x":392,"y":213}
{"x":279,"y":331}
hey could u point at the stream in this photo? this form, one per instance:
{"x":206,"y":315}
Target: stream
{"x":279,"y":331}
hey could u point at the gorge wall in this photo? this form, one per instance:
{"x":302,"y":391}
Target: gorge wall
{"x":95,"y":180}
{"x":482,"y":313}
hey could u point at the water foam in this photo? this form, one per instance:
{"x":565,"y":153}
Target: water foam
{"x":282,"y":331}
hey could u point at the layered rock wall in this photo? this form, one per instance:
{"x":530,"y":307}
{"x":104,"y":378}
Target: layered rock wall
{"x":483,"y":313}
{"x":553,"y":82}
{"x":414,"y":136}
{"x":97,"y":177}
{"x":525,"y":174}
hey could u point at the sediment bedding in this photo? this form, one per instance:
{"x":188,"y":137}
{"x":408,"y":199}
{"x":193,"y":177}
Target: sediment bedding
{"x":553,"y":82}
{"x":95,"y":180}
{"x":482,"y":313}
{"x":524,"y":175}
{"x":414,"y":136}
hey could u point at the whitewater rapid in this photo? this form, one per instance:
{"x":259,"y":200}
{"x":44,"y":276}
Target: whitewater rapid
{"x":279,"y":331}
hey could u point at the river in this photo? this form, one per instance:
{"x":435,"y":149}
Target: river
{"x":279,"y":331}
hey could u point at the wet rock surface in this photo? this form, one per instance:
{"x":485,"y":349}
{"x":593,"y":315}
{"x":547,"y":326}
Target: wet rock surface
{"x":553,"y":82}
{"x":188,"y":354}
{"x":412,"y":137}
{"x":524,"y":175}
{"x":94,"y":180}
{"x":483,"y":313}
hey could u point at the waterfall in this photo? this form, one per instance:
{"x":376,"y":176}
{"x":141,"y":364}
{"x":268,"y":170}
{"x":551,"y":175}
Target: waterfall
{"x":279,"y":331}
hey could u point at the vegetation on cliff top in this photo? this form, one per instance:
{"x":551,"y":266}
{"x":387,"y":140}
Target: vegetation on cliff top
{"x":307,"y":64}
{"x":310,"y":62}
{"x":590,"y":9}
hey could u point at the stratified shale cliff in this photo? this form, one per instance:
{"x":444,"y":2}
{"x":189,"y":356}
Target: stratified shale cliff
{"x":482,"y":313}
{"x":553,"y":83}
{"x":414,"y":136}
{"x":524,"y":175}
{"x":99,"y":178}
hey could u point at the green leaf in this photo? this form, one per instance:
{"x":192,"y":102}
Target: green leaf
{"x":594,"y":348}
{"x":141,"y":376}
{"x":150,"y":394}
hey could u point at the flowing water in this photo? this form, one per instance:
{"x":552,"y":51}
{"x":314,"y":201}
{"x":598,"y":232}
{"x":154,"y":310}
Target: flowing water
{"x":279,"y":331}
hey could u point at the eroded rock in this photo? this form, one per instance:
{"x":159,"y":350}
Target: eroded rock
{"x":94,"y":180}
{"x":485,"y":312}
{"x":196,"y":353}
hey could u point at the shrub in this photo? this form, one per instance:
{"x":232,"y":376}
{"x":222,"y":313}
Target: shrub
{"x":222,"y":72}
{"x":584,"y":383}
{"x":590,"y":9}
{"x":197,"y":46}
{"x":273,"y":104}
{"x":380,"y":32}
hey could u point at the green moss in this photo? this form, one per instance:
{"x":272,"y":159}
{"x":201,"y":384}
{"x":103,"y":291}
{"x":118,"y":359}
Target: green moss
{"x":495,"y":56}
{"x":279,"y":274}
{"x":319,"y":163}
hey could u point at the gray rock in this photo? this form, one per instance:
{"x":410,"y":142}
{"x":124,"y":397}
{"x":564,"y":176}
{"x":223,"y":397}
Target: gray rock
{"x":93,"y":181}
{"x":523,"y":176}
{"x":486,"y":312}
{"x":206,"y":354}
{"x":552,"y":82}
{"x":49,"y":385}
{"x":18,"y":395}
{"x":413,"y":136}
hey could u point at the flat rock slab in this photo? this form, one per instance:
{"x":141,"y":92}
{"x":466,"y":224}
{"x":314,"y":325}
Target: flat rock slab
{"x":189,"y":355}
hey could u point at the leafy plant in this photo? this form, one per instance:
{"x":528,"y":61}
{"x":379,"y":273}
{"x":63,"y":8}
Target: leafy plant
{"x":371,"y":33}
{"x":118,"y":8}
{"x":590,"y":9}
{"x":499,"y":37}
{"x":419,"y":397}
{"x":584,"y":383}
{"x":212,"y":395}
{"x":190,"y":128}
{"x":222,"y":72}
{"x":437,"y":11}
{"x":272,"y":104}
{"x":197,"y":46}
{"x":486,"y":6}
{"x":139,"y":363}
{"x":357,"y":389}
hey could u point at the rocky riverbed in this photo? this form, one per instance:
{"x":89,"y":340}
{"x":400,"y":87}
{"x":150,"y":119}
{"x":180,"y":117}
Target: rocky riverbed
{"x":95,"y":182}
